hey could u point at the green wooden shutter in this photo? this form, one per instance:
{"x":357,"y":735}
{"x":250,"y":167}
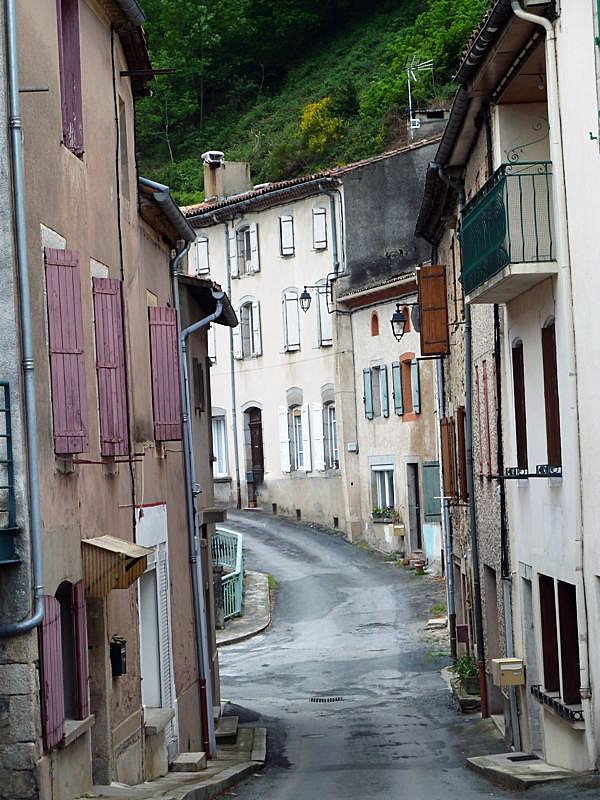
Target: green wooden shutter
{"x":432,"y":491}
{"x":416,"y":385}
{"x":368,"y":394}
{"x":383,"y":382}
{"x":397,"y":388}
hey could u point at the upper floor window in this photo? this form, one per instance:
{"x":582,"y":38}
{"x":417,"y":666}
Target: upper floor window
{"x":291,"y":320}
{"x":243,"y":250}
{"x":519,"y":400}
{"x":375,"y":385}
{"x":319,"y":228}
{"x":406,"y":384}
{"x":247,"y":335}
{"x":374,"y":324}
{"x":286,"y":235}
{"x":70,"y":74}
{"x":551,"y":395}
{"x":202,"y":263}
{"x":325,"y":316}
{"x":219,"y":439}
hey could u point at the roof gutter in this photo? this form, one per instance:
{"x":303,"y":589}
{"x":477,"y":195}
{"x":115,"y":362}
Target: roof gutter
{"x":161,"y":195}
{"x":132,"y":10}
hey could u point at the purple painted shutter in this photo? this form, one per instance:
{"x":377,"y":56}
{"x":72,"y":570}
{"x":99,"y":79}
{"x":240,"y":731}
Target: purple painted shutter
{"x":52,"y":692}
{"x":80,"y":649}
{"x":70,"y":74}
{"x":65,"y":339}
{"x":110,"y":367}
{"x":164,"y":355}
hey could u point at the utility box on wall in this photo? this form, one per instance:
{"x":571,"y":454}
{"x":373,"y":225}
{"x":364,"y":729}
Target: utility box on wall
{"x":508,"y":671}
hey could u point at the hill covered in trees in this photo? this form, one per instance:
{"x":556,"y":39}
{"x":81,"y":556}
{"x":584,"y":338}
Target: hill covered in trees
{"x":292,"y":86}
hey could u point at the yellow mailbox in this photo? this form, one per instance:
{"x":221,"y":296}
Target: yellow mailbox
{"x":508,"y":671}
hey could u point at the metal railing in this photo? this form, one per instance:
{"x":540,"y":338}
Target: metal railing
{"x":509,"y":221}
{"x":227,"y":551}
{"x":8,"y":508}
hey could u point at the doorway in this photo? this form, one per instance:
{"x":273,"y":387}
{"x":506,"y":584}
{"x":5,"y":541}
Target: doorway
{"x":414,"y":506}
{"x":255,"y":460}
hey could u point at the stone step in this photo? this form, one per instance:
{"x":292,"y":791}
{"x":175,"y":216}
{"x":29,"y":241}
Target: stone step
{"x":227,"y":728}
{"x":188,"y":762}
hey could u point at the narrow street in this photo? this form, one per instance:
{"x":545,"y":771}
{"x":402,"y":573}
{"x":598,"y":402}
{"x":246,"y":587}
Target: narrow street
{"x":347,"y":624}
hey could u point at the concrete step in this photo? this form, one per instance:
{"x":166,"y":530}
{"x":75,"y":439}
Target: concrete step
{"x":188,"y":762}
{"x":227,"y":728}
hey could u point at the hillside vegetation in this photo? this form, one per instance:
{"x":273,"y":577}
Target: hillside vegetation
{"x":292,"y":86}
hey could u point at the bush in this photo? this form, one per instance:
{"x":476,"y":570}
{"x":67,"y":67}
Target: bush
{"x":465,"y":667}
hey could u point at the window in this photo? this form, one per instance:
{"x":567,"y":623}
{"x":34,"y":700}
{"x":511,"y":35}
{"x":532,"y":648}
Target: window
{"x":294,"y":434}
{"x":519,"y":401}
{"x":332,"y":454}
{"x":325,"y":317}
{"x":319,"y":228}
{"x":123,"y":152}
{"x":219,"y":437}
{"x":383,"y":487}
{"x":199,"y":390}
{"x":559,"y":623}
{"x":286,"y":235}
{"x":247,"y":335}
{"x":406,"y":386}
{"x":551,"y":395}
{"x":70,"y":74}
{"x":374,"y":324}
{"x":202,"y":263}
{"x":164,"y":357}
{"x":375,"y":385}
{"x":296,"y":441}
{"x":291,"y":320}
{"x":243,"y":250}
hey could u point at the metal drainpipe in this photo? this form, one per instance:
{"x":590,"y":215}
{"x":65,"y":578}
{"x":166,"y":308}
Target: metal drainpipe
{"x":336,"y":259}
{"x":563,"y":256}
{"x":16,"y":155}
{"x":200,"y":611}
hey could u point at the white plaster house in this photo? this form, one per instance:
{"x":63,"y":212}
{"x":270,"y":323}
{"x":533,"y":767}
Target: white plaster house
{"x":523,"y":136}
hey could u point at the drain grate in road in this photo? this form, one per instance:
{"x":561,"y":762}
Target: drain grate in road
{"x":326,"y":699}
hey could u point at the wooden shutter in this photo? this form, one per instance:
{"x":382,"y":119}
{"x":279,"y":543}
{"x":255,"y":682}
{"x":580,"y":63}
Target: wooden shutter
{"x":234,"y":268}
{"x":431,"y":491}
{"x":80,"y":649}
{"x":549,"y":634}
{"x":368,"y":393}
{"x":319,"y":221}
{"x":198,"y":380}
{"x":110,"y":367}
{"x":284,"y":439}
{"x":254,"y":254}
{"x":448,"y":457}
{"x":51,"y":677}
{"x":67,"y":362}
{"x":202,"y":265}
{"x":164,"y":632}
{"x":164,"y":354}
{"x":305,"y":416}
{"x":236,"y":341}
{"x":461,"y":454}
{"x":519,"y":400}
{"x":286,"y":235}
{"x":433,"y":310}
{"x":569,"y":642}
{"x":256,"y":334}
{"x":415,"y":382}
{"x":383,"y":385}
{"x":397,"y":388}
{"x":325,"y":318}
{"x":70,"y":74}
{"x":551,"y":395}
{"x":291,"y":319}
{"x":318,"y":436}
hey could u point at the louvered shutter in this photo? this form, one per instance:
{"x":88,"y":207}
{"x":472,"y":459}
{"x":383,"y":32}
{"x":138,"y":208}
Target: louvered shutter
{"x":433,"y":310}
{"x":256,"y":333}
{"x":551,"y":400}
{"x":110,"y":367}
{"x":431,"y":491}
{"x":234,"y":269}
{"x":383,"y":384}
{"x":70,"y":75}
{"x":318,"y":438}
{"x":286,"y":236}
{"x":165,"y":373}
{"x":305,"y":412}
{"x":236,"y":339}
{"x":325,"y":319}
{"x":319,"y":221}
{"x":51,"y":678}
{"x":368,"y":393}
{"x":461,"y":454}
{"x":254,"y":254}
{"x":202,"y":265}
{"x":80,"y":647}
{"x":212,"y":344}
{"x":164,"y":633}
{"x":291,"y":318}
{"x":415,"y":381}
{"x":448,"y":457}
{"x":397,"y":388}
{"x":67,"y":362}
{"x":284,"y":439}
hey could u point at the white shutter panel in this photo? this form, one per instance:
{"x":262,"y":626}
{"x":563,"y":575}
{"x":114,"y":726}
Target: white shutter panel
{"x":416,"y":385}
{"x":383,"y":384}
{"x":256,"y":337}
{"x":212,"y":344}
{"x":292,"y":321}
{"x":236,"y":334}
{"x":319,"y":216}
{"x":284,"y":441}
{"x":254,"y":256}
{"x":304,"y":410}
{"x":164,"y":635}
{"x":233,"y":254}
{"x":326,"y":329}
{"x":318,"y":438}
{"x":286,"y":235}
{"x":202,"y":266}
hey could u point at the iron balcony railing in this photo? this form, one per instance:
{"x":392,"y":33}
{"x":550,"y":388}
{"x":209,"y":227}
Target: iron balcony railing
{"x":509,"y":221}
{"x":227,"y":551}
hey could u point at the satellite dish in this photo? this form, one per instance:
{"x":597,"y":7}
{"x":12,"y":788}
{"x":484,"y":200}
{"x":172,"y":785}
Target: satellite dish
{"x":415,"y":316}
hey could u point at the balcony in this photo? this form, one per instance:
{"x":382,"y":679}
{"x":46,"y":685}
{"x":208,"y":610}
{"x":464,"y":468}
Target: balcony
{"x":507,"y":234}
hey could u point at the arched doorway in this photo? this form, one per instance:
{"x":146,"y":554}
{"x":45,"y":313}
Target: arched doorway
{"x":255,"y":462}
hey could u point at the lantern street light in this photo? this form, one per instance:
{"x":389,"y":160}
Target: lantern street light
{"x":305,"y":300}
{"x":398,"y":323}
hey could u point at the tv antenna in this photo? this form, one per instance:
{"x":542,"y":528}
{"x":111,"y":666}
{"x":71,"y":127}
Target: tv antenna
{"x":413,"y":68}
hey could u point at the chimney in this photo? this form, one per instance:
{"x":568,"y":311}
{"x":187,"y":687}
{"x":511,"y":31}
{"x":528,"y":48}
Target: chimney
{"x":224,"y":178}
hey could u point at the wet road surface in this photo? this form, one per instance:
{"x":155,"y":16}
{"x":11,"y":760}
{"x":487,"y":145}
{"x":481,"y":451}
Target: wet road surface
{"x":346,"y":624}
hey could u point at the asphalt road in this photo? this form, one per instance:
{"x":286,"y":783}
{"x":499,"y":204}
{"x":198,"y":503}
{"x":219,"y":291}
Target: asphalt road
{"x":347,"y":624}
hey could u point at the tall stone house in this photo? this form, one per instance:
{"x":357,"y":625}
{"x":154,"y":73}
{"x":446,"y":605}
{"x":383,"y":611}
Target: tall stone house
{"x":509,"y":207}
{"x":100,"y":674}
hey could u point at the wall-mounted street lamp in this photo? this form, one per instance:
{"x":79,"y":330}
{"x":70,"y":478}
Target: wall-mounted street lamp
{"x":326,"y":288}
{"x":305,"y":299}
{"x":399,"y":319}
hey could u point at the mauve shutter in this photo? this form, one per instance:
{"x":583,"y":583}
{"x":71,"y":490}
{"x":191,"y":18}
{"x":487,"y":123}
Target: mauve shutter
{"x":110,"y":367}
{"x":461,"y":454}
{"x":165,"y":373}
{"x":51,"y":678}
{"x":65,"y":340}
{"x":551,"y":395}
{"x":70,"y":74}
{"x":448,"y":457}
{"x":80,"y":649}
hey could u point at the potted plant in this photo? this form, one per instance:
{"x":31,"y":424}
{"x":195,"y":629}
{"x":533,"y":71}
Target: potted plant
{"x":385,"y":514}
{"x":468,"y":673}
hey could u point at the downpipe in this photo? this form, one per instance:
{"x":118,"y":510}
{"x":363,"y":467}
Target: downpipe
{"x":16,"y":157}
{"x":234,"y":424}
{"x":564,"y":262}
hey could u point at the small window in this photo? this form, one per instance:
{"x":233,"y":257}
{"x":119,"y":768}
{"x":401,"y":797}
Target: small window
{"x":63,"y":595}
{"x":247,"y":335}
{"x":374,"y":324}
{"x":286,"y":235}
{"x":246,"y":250}
{"x":70,"y":74}
{"x":410,"y":384}
{"x":291,"y":320}
{"x":319,"y":226}
{"x":295,"y":436}
{"x":219,"y":438}
{"x":382,"y":489}
{"x":332,"y":454}
{"x":519,"y":401}
{"x":202,"y":263}
{"x":559,"y":623}
{"x":554,"y":454}
{"x":376,"y":398}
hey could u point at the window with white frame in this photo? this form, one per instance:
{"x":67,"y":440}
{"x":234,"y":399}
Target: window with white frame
{"x":243,"y":250}
{"x":382,"y":488}
{"x":330,"y":440}
{"x":202,"y":264}
{"x":286,"y":235}
{"x":325,"y":317}
{"x":219,"y":437}
{"x":319,"y":228}
{"x":375,"y":387}
{"x":291,"y":320}
{"x":296,"y":438}
{"x":247,"y":340}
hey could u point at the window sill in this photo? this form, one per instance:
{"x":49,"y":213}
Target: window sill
{"x":222,"y":478}
{"x":292,"y":349}
{"x":326,"y":344}
{"x":572,"y":715}
{"x":74,"y":728}
{"x":156,"y":720}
